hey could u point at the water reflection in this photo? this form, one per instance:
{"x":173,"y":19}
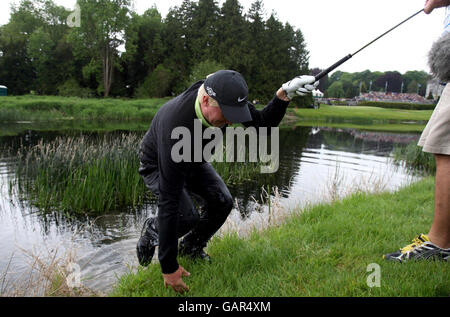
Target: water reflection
{"x":315,"y":164}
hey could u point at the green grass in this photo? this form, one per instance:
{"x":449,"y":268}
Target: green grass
{"x":50,"y":108}
{"x":365,"y":113}
{"x":324,"y":251}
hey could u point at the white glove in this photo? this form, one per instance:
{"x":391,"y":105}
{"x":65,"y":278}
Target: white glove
{"x":300,"y":86}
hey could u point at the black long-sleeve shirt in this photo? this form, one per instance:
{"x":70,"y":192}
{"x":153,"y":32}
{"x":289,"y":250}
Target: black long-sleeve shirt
{"x":156,"y":149}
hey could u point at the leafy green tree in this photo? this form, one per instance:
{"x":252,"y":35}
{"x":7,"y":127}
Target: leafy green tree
{"x":419,"y":77}
{"x":363,"y":87}
{"x":413,"y":87}
{"x":274,"y":54}
{"x":157,"y":84}
{"x":101,"y":33}
{"x":232,"y":37}
{"x":299,"y":55}
{"x":363,"y":78}
{"x":16,"y":67}
{"x":202,"y":70}
{"x":177,"y":43}
{"x":336,"y":90}
{"x":254,"y":73}
{"x":393,"y":80}
{"x":335,"y":76}
{"x":39,"y":52}
{"x":373,"y":77}
{"x":204,"y":31}
{"x":40,"y":48}
{"x":349,"y":85}
{"x":144,"y":47}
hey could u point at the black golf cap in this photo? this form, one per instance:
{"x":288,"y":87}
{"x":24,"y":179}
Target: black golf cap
{"x":230,"y":90}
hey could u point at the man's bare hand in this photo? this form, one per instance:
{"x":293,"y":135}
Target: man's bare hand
{"x":175,"y":280}
{"x":430,"y":5}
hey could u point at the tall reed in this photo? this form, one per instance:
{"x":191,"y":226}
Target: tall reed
{"x":82,"y":175}
{"x":234,"y":173}
{"x":415,"y":159}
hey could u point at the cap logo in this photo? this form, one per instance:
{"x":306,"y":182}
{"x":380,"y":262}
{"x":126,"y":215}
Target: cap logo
{"x":241,"y":99}
{"x":211,"y":92}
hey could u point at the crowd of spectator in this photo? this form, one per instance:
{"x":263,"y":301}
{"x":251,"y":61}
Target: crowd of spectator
{"x":392,"y":97}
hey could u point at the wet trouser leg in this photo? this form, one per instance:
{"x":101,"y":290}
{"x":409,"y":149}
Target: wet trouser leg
{"x":207,"y":186}
{"x":217,"y":203}
{"x":188,"y":216}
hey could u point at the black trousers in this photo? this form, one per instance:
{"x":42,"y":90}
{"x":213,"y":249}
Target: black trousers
{"x":211,"y":195}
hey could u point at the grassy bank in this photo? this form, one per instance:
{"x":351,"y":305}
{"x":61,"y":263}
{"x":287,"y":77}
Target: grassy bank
{"x":324,"y":251}
{"x":366,"y":113}
{"x":49,"y":108}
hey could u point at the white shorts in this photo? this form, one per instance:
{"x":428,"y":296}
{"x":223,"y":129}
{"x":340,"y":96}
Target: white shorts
{"x":436,"y":135}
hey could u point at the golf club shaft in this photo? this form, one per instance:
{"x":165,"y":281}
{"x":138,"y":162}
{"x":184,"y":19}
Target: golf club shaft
{"x":346,"y":58}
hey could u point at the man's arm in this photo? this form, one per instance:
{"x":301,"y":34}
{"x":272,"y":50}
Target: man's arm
{"x":171,"y":184}
{"x":270,"y":116}
{"x":275,"y":111}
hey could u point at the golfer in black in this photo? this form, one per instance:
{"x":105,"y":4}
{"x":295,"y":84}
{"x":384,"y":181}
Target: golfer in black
{"x":218,"y":101}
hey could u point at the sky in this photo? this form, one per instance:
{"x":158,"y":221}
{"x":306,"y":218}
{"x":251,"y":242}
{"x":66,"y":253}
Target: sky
{"x":333,"y":29}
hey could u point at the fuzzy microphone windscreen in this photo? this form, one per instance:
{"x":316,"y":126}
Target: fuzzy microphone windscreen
{"x":439,"y":58}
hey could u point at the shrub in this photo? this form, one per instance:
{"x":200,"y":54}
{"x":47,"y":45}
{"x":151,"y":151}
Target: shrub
{"x":156,"y":85}
{"x":71,"y":88}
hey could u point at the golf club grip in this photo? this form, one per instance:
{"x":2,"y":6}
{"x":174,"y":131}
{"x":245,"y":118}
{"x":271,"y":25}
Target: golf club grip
{"x":332,"y":67}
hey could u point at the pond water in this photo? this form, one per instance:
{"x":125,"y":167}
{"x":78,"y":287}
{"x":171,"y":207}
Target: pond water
{"x":316,"y":164}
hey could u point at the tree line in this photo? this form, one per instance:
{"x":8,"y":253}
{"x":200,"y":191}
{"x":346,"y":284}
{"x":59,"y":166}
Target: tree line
{"x":348,"y":85}
{"x":116,"y":52}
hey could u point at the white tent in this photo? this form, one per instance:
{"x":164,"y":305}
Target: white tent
{"x":317,"y":93}
{"x":3,"y":90}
